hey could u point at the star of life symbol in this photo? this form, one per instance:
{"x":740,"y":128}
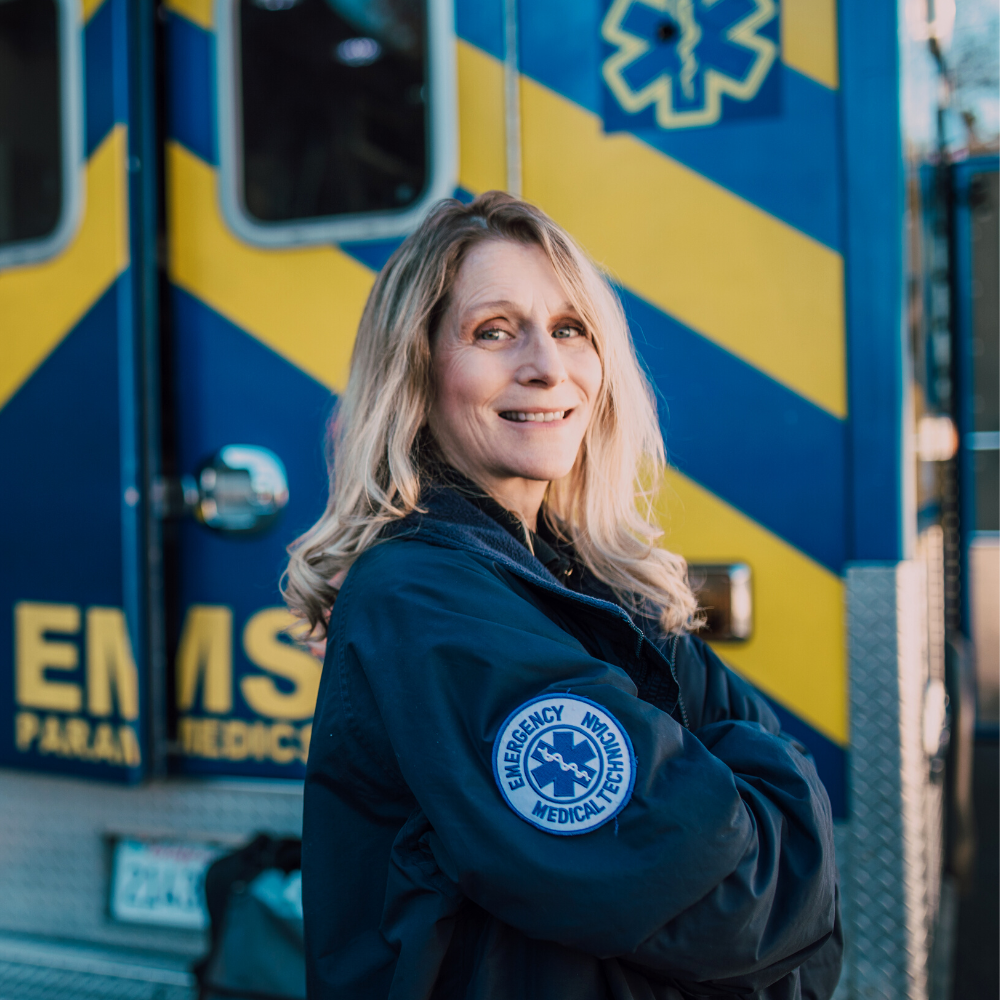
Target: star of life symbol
{"x":561,"y":764}
{"x":688,"y":91}
{"x":564,"y":763}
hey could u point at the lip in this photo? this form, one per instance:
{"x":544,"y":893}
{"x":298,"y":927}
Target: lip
{"x":535,"y":415}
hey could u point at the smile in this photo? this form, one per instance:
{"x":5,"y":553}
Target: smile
{"x":539,"y":418}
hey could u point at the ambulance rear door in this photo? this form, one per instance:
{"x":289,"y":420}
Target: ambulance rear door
{"x":74,"y":190}
{"x":305,"y":138}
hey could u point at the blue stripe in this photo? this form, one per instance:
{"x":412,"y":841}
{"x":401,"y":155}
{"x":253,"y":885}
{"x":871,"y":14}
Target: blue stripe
{"x":98,"y":57}
{"x":830,"y":759}
{"x":788,"y":165}
{"x":481,"y":22}
{"x":372,"y":253}
{"x":756,"y":444}
{"x":873,"y":175}
{"x":190,"y":59}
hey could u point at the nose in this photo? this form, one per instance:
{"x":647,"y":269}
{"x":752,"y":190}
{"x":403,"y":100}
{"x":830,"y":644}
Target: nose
{"x":542,"y":362}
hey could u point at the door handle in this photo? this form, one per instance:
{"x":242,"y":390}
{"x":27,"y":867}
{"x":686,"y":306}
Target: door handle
{"x":240,"y":490}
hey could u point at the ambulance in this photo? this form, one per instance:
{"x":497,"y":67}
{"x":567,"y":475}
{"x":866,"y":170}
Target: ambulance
{"x":195,"y":197}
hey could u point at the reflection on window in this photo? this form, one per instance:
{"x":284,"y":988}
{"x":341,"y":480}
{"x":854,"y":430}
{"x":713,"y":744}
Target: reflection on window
{"x":333,"y":106}
{"x":30,"y":129}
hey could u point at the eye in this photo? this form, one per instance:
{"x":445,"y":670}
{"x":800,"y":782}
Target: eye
{"x":565,"y":331}
{"x":493,"y":333}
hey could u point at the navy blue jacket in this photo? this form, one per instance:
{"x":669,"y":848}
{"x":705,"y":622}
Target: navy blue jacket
{"x":420,"y":881}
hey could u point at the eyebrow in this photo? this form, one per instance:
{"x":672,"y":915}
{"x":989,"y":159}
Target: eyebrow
{"x":567,"y":307}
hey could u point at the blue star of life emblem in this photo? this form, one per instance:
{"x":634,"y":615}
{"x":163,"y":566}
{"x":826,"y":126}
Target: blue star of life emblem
{"x":676,"y":64}
{"x":564,"y":763}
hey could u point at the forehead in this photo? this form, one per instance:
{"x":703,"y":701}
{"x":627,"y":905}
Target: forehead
{"x":497,"y":270}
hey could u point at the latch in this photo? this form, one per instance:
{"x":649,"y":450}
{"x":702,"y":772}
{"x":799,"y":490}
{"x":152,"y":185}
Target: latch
{"x":725,"y":598}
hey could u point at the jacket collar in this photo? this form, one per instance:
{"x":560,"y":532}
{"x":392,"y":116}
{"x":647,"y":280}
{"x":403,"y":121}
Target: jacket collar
{"x":452,"y":521}
{"x":547,"y":549}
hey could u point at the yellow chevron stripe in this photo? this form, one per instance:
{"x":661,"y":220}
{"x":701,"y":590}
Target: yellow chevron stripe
{"x":198,"y":11}
{"x":797,"y":653}
{"x":482,"y":138}
{"x":88,"y":8}
{"x":303,"y":303}
{"x":41,"y":303}
{"x":809,"y":38}
{"x":755,"y":285}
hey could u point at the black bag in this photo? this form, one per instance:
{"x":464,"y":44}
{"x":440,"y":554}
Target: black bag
{"x":257,"y":950}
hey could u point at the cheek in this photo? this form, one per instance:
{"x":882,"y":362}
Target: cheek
{"x":587,"y":373}
{"x":464,"y":380}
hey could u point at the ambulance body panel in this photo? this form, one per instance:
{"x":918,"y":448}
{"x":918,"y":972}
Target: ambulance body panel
{"x":740,"y":173}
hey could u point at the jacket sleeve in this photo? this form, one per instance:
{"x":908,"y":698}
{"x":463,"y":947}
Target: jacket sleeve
{"x":713,"y":693}
{"x":720,"y":865}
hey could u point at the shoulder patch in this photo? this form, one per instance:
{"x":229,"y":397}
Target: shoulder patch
{"x":564,"y":764}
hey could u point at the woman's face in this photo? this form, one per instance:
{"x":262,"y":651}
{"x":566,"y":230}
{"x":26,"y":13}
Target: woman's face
{"x":515,"y":374}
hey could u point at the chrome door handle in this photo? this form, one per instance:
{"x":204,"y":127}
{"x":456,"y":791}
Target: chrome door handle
{"x":240,"y":490}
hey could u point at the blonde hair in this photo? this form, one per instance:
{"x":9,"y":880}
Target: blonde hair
{"x":379,"y":460}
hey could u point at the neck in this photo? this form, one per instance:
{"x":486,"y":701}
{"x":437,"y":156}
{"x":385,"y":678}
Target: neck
{"x":522,"y":496}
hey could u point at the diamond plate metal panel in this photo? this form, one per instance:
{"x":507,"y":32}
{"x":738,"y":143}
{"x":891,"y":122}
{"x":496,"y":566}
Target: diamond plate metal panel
{"x":29,"y":982}
{"x":55,"y":853}
{"x":873,"y":871}
{"x":911,"y":632}
{"x":889,"y":851}
{"x":35,"y":969}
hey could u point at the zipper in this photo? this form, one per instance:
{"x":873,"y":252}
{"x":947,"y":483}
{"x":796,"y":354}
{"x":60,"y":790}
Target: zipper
{"x":673,"y":641}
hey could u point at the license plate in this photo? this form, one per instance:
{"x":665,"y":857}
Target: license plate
{"x":161,"y":882}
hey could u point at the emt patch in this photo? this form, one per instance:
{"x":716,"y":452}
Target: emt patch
{"x":564,"y":763}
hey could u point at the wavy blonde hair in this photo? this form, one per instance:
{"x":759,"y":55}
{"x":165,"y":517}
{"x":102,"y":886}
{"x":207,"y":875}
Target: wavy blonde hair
{"x":604,"y":506}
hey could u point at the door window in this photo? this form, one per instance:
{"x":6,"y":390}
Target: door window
{"x":335,"y":117}
{"x":39,"y":131}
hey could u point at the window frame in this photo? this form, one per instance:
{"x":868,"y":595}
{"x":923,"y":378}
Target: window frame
{"x":385,"y":224}
{"x":38,"y":249}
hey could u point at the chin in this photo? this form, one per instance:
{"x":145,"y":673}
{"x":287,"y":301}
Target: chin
{"x":540,"y":471}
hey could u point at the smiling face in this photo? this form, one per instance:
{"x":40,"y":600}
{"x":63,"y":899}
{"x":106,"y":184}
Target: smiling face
{"x":515,"y":375}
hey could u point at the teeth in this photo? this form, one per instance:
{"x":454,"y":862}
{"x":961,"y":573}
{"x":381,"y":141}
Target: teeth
{"x":545,"y":418}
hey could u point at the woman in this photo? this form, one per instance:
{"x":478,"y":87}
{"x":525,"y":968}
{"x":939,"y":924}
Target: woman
{"x":527,"y":778}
